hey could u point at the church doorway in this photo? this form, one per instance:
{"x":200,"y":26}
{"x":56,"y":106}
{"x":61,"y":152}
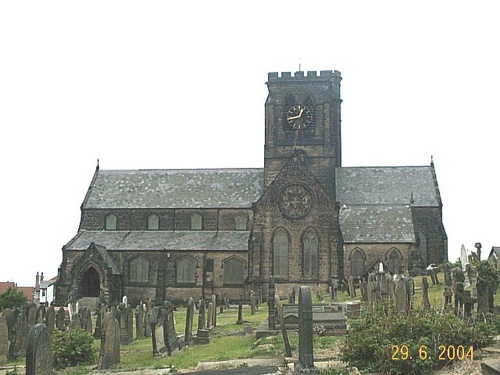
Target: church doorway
{"x":90,"y":283}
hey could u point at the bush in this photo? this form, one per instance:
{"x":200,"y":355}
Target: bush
{"x":72,"y":348}
{"x":12,"y":298}
{"x":413,"y":343}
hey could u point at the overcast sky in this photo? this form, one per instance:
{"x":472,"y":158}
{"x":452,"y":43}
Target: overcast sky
{"x":148,"y":84}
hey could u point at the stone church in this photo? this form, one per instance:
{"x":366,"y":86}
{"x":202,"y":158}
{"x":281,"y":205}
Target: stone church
{"x":303,"y":218}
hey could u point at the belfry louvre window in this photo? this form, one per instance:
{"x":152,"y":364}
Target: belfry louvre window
{"x":280,"y":254}
{"x":357,"y":263}
{"x":139,"y":270}
{"x":310,"y":254}
{"x":240,"y":221}
{"x":110,"y":222}
{"x":186,"y":268}
{"x":394,"y":261}
{"x":153,"y":222}
{"x":234,"y":271}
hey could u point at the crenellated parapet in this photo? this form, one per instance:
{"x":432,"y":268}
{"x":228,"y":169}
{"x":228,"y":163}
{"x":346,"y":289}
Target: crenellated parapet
{"x":312,"y":74}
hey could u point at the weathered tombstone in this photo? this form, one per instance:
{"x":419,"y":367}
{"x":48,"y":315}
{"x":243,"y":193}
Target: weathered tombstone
{"x":364,"y":291}
{"x":123,"y":321}
{"x":4,"y":340}
{"x":214,"y":311}
{"x":87,"y":321}
{"x":305,"y":364}
{"x":447,"y":297}
{"x":40,"y":314}
{"x":459,"y":293}
{"x":188,"y":332}
{"x":139,"y":322}
{"x":201,"y":314}
{"x":252,"y":302}
{"x":109,"y":354}
{"x":129,"y":316}
{"x":20,"y":337}
{"x":8,"y":314}
{"x":468,"y":302}
{"x":147,"y":317}
{"x":334,"y":286}
{"x":50,"y":318}
{"x":31,"y":314}
{"x":98,"y":324}
{"x":209,"y":316}
{"x":240,"y":313}
{"x":158,"y":331}
{"x":447,"y":274}
{"x":425,"y":294}
{"x":410,"y":291}
{"x":401,"y":296}
{"x":38,"y":352}
{"x":60,"y":319}
{"x":170,"y":335}
{"x":271,"y":307}
{"x":281,"y":320}
{"x":352,"y":289}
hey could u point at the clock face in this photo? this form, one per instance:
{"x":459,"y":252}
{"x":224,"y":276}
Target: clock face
{"x":300,"y":116}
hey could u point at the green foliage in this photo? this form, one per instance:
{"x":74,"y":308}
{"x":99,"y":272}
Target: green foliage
{"x":12,"y":372}
{"x":487,"y":273}
{"x":72,"y":348}
{"x":413,"y":343}
{"x":12,"y":298}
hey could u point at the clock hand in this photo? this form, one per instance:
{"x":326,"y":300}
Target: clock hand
{"x":298,"y":116}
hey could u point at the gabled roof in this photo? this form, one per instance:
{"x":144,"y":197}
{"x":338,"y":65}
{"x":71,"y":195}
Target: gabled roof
{"x":387,"y":185}
{"x":495,"y":251}
{"x":377,"y":224}
{"x":161,"y":240}
{"x":193,"y":188}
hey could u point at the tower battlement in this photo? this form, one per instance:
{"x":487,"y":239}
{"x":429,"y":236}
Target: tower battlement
{"x":311,"y":74}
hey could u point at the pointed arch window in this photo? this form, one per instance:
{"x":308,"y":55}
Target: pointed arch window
{"x":310,"y":254}
{"x":394,"y":261}
{"x":110,"y":222}
{"x":357,"y":263}
{"x":139,"y":270}
{"x":153,"y":222}
{"x":240,"y":221}
{"x":196,"y":222}
{"x":280,"y":254}
{"x":186,"y":268}
{"x":234,"y":271}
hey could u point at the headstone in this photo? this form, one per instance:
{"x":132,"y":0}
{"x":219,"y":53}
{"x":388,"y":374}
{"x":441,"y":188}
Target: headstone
{"x":40,"y":314}
{"x":459,"y":294}
{"x":447,"y":274}
{"x":20,"y":336}
{"x":158,"y":331}
{"x":188,"y":332}
{"x":352,"y":289}
{"x":31,"y":314}
{"x":334,"y":286}
{"x":8,"y":314}
{"x":252,"y":302}
{"x":214,"y":311}
{"x":209,"y":316}
{"x":38,"y":352}
{"x":240,"y":313}
{"x":170,"y":335}
{"x":98,"y":324}
{"x":468,"y":303}
{"x":281,"y":320}
{"x":447,"y":296}
{"x":147,"y":317}
{"x":364,"y":291}
{"x":201,"y":314}
{"x":60,"y":319}
{"x":4,"y":340}
{"x":425,"y":294}
{"x":401,"y":296}
{"x":50,"y":318}
{"x":463,"y":257}
{"x":129,"y":316}
{"x":305,"y":364}
{"x":87,"y":321}
{"x":125,"y":301}
{"x":482,"y":297}
{"x":123,"y":321}
{"x":139,"y":322}
{"x":271,"y":307}
{"x":109,"y":354}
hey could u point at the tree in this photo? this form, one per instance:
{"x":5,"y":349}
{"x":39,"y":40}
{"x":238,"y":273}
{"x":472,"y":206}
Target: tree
{"x":12,"y":298}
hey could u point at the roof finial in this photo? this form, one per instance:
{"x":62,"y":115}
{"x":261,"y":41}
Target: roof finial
{"x":300,"y":65}
{"x":412,"y":201}
{"x":97,"y":166}
{"x":432,"y":159}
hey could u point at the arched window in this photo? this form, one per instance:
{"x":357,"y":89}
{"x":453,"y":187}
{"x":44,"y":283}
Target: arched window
{"x":139,"y":270}
{"x":310,"y":254}
{"x":196,"y":222}
{"x":234,"y":271}
{"x":240,"y":221}
{"x":110,"y":222}
{"x":186,"y":268}
{"x":394,"y":261}
{"x":153,"y":222}
{"x":357,"y":263}
{"x":280,"y":254}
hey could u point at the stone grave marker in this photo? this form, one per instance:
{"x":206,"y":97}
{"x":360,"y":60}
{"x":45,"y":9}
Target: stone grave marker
{"x":31,"y":314}
{"x":214,"y":310}
{"x":20,"y":336}
{"x":139,"y":322}
{"x":98,"y":324}
{"x":158,"y":331}
{"x":87,"y":321}
{"x":38,"y":352}
{"x":170,"y":335}
{"x":60,"y":319}
{"x":109,"y":354}
{"x":271,"y":305}
{"x":188,"y":332}
{"x":40,"y":314}
{"x":147,"y":317}
{"x":201,"y":314}
{"x":8,"y":314}
{"x":4,"y":340}
{"x":240,"y":313}
{"x":425,"y":294}
{"x":129,"y":315}
{"x":50,"y":318}
{"x":305,"y":364}
{"x":281,"y":320}
{"x":209,"y":316}
{"x":400,"y":296}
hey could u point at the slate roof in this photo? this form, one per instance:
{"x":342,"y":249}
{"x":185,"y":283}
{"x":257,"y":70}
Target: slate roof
{"x":387,"y":185}
{"x":179,"y":188}
{"x":158,"y":240}
{"x":377,"y":224}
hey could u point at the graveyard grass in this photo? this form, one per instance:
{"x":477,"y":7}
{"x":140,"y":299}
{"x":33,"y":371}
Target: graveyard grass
{"x":227,"y":341}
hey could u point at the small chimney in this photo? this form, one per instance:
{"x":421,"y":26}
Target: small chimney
{"x":37,"y":281}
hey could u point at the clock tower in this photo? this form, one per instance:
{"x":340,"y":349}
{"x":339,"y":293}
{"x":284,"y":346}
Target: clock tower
{"x":303,"y":115}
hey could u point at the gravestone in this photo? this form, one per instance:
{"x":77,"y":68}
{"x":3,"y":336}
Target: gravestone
{"x":147,"y":317}
{"x":60,"y":319}
{"x":401,"y":296}
{"x":31,"y":314}
{"x":8,"y":314}
{"x":201,"y":314}
{"x":364,"y":291}
{"x":188,"y":332}
{"x":214,"y":310}
{"x":209,"y":316}
{"x":468,"y":302}
{"x":459,"y":294}
{"x":109,"y":354}
{"x":129,"y":316}
{"x":40,"y":314}
{"x":425,"y":294}
{"x":50,"y":318}
{"x":352,"y":289}
{"x":123,"y":321}
{"x":158,"y":331}
{"x":98,"y":324}
{"x":334,"y":287}
{"x":240,"y":313}
{"x":139,"y":322}
{"x":447,"y":297}
{"x":4,"y":340}
{"x":170,"y":335}
{"x":281,"y":320}
{"x":271,"y":303}
{"x":87,"y":321}
{"x":305,"y":364}
{"x":447,"y":274}
{"x":20,"y":336}
{"x":252,"y":302}
{"x":38,"y":352}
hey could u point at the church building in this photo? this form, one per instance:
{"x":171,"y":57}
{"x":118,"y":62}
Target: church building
{"x":303,"y":218}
